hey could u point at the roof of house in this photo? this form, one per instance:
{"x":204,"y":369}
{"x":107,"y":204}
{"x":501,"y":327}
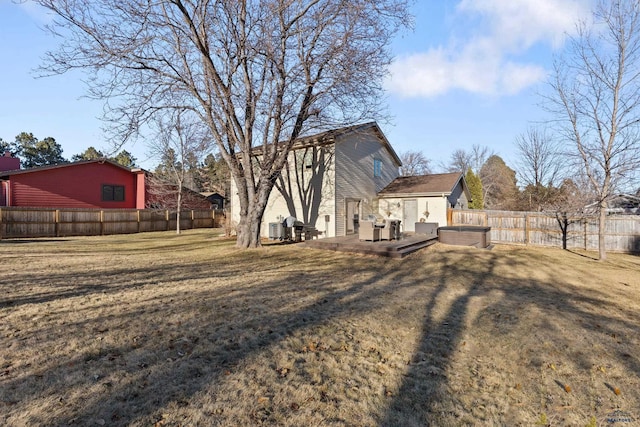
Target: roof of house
{"x":65,"y":165}
{"x":330,"y":136}
{"x":435,"y":184}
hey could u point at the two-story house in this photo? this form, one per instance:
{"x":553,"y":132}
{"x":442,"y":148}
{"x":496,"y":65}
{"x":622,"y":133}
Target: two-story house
{"x":336,"y":178}
{"x":332,"y":180}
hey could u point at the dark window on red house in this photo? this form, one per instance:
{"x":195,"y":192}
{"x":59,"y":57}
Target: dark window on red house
{"x":113,"y":193}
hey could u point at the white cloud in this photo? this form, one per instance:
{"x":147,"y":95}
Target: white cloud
{"x":491,"y":59}
{"x":35,"y":11}
{"x":522,"y":23}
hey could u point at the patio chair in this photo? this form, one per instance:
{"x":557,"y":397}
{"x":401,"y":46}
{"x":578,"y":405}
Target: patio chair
{"x":368,"y":231}
{"x":387,"y":232}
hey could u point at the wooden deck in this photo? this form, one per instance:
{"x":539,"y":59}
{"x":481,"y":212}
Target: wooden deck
{"x":392,"y":249}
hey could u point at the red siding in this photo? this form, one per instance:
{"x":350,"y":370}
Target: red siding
{"x":73,"y":186}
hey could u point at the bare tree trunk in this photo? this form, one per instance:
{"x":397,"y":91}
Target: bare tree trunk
{"x":602,"y":227}
{"x":249,"y":227}
{"x":249,"y":231}
{"x":179,"y":209}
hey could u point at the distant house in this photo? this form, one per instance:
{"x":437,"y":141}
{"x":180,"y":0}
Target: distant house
{"x":624,"y":204}
{"x":618,"y":204}
{"x":331,"y":181}
{"x":424,"y":198}
{"x":216,"y":200}
{"x":85,"y":184}
{"x":91,"y":184}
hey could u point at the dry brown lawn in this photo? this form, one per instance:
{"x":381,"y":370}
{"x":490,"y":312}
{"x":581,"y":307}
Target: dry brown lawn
{"x":165,"y":330}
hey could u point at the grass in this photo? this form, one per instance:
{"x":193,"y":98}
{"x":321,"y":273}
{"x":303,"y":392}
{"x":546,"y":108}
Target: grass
{"x":163,"y":330}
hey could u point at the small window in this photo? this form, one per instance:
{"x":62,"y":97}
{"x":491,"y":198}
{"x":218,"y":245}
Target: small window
{"x":377,"y":167}
{"x":113,"y":193}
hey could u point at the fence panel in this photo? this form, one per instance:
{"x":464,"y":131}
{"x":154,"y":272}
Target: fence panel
{"x":18,"y":222}
{"x":28,"y":223}
{"x":542,"y":229}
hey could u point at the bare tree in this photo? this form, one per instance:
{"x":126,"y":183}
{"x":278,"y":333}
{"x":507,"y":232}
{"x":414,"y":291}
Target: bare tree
{"x":539,"y":166}
{"x":567,"y":204}
{"x":461,"y":160}
{"x":179,"y":145}
{"x":539,"y":161}
{"x":258,"y":74}
{"x":414,"y":163}
{"x":596,"y":99}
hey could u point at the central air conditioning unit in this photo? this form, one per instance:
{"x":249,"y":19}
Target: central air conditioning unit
{"x":276,"y":231}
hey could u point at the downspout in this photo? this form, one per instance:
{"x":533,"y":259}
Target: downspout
{"x":6,"y":188}
{"x":141,"y":194}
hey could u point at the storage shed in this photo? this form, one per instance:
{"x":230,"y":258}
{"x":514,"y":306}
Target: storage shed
{"x":423,"y":198}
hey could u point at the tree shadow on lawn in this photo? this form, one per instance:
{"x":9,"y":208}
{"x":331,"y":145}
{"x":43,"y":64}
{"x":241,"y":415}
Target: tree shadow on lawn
{"x":428,"y":396}
{"x":161,"y":363}
{"x":157,"y":365}
{"x":100,"y":282}
{"x":109,"y":280}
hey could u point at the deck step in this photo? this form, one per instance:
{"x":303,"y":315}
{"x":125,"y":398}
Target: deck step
{"x":392,"y":249}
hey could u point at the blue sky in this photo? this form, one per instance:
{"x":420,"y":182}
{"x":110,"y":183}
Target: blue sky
{"x":470,"y":72}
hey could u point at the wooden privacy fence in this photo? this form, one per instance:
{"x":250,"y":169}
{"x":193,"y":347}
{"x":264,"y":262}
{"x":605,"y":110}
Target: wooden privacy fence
{"x":17,"y":222}
{"x":543,"y":229}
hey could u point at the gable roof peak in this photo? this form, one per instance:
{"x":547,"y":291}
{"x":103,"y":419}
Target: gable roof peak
{"x":441,"y":183}
{"x":69,"y":164}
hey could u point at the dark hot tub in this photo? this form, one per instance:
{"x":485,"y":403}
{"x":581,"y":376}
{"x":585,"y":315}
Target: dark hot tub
{"x":465,"y":235}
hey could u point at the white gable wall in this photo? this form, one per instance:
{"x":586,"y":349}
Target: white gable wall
{"x":436,"y":206}
{"x":293,"y":185}
{"x":277,"y":207}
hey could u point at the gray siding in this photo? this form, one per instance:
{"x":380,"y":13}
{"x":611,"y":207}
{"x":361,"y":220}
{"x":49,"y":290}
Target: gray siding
{"x":354,"y":159}
{"x":458,"y":195}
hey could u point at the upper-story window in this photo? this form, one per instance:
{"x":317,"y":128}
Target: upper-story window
{"x":377,"y":167}
{"x":113,"y":193}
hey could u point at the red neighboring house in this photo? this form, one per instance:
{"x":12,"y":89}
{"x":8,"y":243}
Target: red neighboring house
{"x":85,"y":184}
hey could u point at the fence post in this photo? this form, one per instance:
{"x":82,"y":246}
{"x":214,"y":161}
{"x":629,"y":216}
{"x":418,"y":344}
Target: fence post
{"x":138,"y":218}
{"x":526,"y":229}
{"x":586,"y":243}
{"x":1,"y":224}
{"x":193,"y":222}
{"x":166,"y":216}
{"x":56,"y":222}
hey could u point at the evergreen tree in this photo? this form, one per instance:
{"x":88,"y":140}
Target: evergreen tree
{"x":475,"y":188}
{"x":124,"y":158}
{"x":90,"y":153}
{"x":34,"y":153}
{"x":215,"y":174}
